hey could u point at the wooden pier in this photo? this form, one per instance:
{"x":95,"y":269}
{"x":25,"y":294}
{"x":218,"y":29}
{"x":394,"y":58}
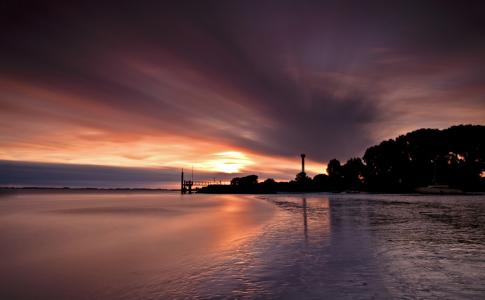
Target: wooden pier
{"x":188,"y":184}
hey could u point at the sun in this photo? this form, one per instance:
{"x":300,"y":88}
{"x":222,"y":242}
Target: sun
{"x":227,"y":167}
{"x":227,"y":162}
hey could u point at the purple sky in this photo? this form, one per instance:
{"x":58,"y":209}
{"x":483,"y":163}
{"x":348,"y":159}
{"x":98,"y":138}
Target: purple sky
{"x":230,"y":86}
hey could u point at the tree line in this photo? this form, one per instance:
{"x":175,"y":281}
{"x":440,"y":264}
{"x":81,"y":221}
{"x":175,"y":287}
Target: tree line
{"x":454,"y":156}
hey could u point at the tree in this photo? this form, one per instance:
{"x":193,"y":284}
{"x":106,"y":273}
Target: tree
{"x":320,"y":180}
{"x":248,"y":180}
{"x":302,"y":178}
{"x":334,"y":171}
{"x":270,"y":182}
{"x":353,"y":172}
{"x":333,"y":168}
{"x":457,"y":154}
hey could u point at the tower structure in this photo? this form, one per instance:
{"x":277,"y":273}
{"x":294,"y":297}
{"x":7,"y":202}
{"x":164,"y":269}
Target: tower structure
{"x":303,"y":162}
{"x":182,"y":188}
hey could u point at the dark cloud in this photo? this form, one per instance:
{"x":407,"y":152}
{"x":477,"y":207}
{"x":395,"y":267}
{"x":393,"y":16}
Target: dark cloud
{"x":17,"y":173}
{"x":13,"y":173}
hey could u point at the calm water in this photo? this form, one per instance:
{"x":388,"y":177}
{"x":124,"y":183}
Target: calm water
{"x":163,"y":245}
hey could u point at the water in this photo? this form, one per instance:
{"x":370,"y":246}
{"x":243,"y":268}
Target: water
{"x":163,"y":245}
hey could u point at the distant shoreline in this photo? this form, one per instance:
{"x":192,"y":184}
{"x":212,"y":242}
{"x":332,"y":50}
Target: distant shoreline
{"x":214,"y":193}
{"x":87,"y":188}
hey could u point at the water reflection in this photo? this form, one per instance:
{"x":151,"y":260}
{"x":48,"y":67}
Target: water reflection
{"x":127,"y":245}
{"x":393,"y":246}
{"x":104,"y":244}
{"x":305,"y":220}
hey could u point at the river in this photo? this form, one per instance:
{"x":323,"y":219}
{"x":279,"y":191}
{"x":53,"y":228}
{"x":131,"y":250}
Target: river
{"x":105,"y":244}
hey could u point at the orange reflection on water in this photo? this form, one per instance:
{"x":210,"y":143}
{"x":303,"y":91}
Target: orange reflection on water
{"x":82,"y":243}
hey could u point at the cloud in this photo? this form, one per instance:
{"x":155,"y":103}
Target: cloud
{"x":18,"y":174}
{"x":57,"y":175}
{"x":168,"y":84}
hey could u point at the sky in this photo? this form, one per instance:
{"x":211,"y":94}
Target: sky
{"x":127,"y":93}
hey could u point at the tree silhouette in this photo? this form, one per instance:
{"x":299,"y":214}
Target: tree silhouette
{"x":302,"y":178}
{"x":334,"y":168}
{"x":248,"y":180}
{"x":320,"y":181}
{"x":398,"y":165}
{"x":269,"y":181}
{"x":353,"y":172}
{"x":456,"y":156}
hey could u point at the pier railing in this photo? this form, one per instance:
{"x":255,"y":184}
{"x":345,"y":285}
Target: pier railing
{"x":207,"y":183}
{"x":188,"y":184}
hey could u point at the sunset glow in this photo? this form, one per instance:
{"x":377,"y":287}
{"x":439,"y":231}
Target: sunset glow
{"x":229,"y":162}
{"x":232,"y":89}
